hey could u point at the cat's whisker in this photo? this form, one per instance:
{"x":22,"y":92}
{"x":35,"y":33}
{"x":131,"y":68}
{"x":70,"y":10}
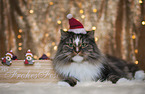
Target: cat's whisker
{"x":63,"y":54}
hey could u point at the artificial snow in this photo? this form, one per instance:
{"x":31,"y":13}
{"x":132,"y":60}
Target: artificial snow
{"x":62,"y":83}
{"x":139,"y":75}
{"x":130,"y":87}
{"x":122,"y":80}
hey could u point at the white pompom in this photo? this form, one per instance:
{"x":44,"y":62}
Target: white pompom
{"x":69,"y":16}
{"x":29,"y":50}
{"x":139,"y":75}
{"x":11,"y":51}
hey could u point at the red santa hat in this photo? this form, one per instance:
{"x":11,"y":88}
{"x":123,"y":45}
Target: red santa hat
{"x":10,"y":53}
{"x":29,"y":53}
{"x":75,"y":25}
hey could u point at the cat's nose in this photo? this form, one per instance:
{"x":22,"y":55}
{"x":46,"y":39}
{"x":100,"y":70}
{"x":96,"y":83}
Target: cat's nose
{"x":77,"y":50}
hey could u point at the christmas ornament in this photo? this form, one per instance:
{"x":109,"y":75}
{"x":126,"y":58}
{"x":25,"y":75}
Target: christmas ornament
{"x":7,"y":60}
{"x":14,"y":57}
{"x":44,"y":57}
{"x":29,"y":58}
{"x":75,"y":25}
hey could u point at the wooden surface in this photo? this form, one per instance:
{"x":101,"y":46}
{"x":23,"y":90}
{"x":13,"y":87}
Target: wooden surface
{"x":41,"y":71}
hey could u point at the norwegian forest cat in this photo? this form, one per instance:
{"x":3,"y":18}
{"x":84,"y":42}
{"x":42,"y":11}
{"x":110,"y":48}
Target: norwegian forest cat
{"x":79,"y":59}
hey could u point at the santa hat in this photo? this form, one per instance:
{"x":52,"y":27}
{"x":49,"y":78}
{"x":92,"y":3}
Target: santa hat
{"x":10,"y":53}
{"x":29,"y":53}
{"x":75,"y":25}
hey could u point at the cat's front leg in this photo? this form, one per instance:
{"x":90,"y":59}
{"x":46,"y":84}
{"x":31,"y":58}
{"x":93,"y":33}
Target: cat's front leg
{"x":68,"y":80}
{"x":71,"y":81}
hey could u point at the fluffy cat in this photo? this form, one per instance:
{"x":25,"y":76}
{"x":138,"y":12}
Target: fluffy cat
{"x":79,"y":59}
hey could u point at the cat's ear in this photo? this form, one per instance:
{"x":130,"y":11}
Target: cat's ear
{"x":63,"y":34}
{"x":90,"y":33}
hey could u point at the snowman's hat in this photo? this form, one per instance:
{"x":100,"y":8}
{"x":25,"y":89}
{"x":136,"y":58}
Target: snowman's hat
{"x":29,"y":53}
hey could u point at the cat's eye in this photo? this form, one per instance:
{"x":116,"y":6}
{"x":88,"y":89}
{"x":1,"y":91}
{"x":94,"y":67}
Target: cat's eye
{"x":70,"y":45}
{"x":84,"y":44}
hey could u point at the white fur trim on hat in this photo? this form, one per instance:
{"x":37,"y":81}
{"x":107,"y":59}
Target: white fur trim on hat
{"x":69,"y":16}
{"x":10,"y":54}
{"x":78,"y":31}
{"x":29,"y":54}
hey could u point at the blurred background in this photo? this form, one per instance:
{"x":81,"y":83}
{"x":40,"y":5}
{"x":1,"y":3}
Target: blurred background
{"x":35,"y":24}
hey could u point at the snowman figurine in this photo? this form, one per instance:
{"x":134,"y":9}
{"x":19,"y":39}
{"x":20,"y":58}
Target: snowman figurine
{"x":29,"y":58}
{"x":7,"y":60}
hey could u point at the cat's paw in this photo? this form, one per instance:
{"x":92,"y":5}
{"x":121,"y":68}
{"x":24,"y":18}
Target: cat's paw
{"x":113,"y":78}
{"x":139,"y":75}
{"x":71,"y":81}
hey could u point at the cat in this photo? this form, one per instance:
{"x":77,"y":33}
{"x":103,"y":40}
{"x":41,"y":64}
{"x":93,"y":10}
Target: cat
{"x":79,"y":59}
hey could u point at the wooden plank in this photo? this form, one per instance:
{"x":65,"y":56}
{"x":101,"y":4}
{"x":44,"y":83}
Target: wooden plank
{"x":40,"y":71}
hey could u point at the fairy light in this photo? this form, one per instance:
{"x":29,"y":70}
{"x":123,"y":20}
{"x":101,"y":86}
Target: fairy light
{"x":77,"y":19}
{"x":143,"y":22}
{"x":21,"y":17}
{"x":93,"y":28}
{"x":59,"y":22}
{"x":96,"y":39}
{"x":20,"y":44}
{"x":20,"y":30}
{"x":34,"y":24}
{"x":65,"y":29}
{"x":35,"y":57}
{"x":50,"y":3}
{"x":31,"y":11}
{"x":94,"y":10}
{"x":20,"y":48}
{"x":48,"y":54}
{"x":53,"y":43}
{"x":46,"y":35}
{"x":19,"y":36}
{"x":136,"y":51}
{"x":81,"y":11}
{"x":140,"y":1}
{"x":136,"y":62}
{"x":83,"y":16}
{"x":133,"y":36}
{"x":55,"y":48}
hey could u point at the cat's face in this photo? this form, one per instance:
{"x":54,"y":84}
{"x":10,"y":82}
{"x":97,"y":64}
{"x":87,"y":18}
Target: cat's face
{"x":72,"y":44}
{"x":77,"y":44}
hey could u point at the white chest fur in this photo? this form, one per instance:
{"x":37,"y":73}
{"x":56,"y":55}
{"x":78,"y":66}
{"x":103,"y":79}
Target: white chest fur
{"x":82,"y":71}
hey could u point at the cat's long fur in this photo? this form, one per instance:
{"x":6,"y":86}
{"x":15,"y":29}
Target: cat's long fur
{"x":79,"y":59}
